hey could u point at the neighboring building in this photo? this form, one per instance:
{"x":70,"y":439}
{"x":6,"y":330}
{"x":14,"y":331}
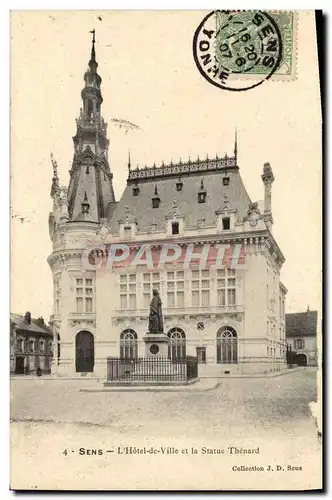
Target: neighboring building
{"x":233,"y":319}
{"x":30,"y":344}
{"x":301,"y":334}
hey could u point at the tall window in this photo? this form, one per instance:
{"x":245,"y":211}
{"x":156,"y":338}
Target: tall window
{"x":128,"y":291}
{"x":299,"y":344}
{"x":200,"y":288}
{"x":150,"y":281}
{"x":226,"y":345}
{"x":128,"y":344}
{"x":42,"y":345}
{"x":177,"y":345}
{"x":20,"y":345}
{"x":84,"y":295}
{"x":31,"y":345}
{"x":175,"y":289}
{"x":226,"y":287}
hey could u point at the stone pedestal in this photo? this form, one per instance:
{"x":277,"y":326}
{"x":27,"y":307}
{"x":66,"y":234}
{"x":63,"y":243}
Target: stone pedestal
{"x":156,"y":345}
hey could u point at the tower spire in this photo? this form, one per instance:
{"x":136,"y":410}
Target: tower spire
{"x":90,"y":168}
{"x":92,"y":63}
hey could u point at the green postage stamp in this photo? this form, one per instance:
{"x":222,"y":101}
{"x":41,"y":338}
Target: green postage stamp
{"x":231,"y":47}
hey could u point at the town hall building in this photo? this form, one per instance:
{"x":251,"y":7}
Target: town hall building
{"x":227,"y":307}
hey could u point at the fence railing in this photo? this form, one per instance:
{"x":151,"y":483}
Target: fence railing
{"x":151,"y":369}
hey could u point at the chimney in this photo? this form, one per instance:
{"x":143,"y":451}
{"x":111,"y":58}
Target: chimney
{"x":267,"y":178}
{"x":40,"y":321}
{"x":27,"y":318}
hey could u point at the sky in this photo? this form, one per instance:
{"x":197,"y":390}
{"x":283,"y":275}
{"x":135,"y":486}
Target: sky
{"x":150,"y":79}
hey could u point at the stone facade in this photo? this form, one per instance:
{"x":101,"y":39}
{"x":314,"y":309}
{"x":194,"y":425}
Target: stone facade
{"x":301,"y":335}
{"x":31,"y":345}
{"x":230,"y":313}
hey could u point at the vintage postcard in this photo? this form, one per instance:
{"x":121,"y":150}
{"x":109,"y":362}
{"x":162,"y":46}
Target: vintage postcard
{"x":166,"y":310}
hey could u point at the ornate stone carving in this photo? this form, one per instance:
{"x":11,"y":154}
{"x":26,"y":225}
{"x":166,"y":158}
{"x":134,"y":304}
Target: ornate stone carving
{"x":63,"y":202}
{"x":104,"y":229}
{"x":225,"y":207}
{"x":174,"y":212}
{"x":200,"y":223}
{"x":253,"y":214}
{"x":128,"y":217}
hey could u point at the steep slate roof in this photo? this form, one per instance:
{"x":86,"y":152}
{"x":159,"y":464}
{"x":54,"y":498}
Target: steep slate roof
{"x":301,"y":324}
{"x":34,"y":327}
{"x":186,"y":199}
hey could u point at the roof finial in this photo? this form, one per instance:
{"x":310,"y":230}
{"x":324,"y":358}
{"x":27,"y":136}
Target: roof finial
{"x":235,"y":145}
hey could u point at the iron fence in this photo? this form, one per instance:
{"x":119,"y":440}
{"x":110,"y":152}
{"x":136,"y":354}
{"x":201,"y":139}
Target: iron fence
{"x":151,"y":369}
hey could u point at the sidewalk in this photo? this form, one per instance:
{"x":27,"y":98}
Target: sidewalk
{"x":201,"y":385}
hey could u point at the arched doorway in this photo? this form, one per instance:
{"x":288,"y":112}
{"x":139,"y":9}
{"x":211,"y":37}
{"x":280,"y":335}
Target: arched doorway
{"x":226,"y":345}
{"x":128,"y":344}
{"x":177,"y":345}
{"x":301,"y":359}
{"x":85,"y":351}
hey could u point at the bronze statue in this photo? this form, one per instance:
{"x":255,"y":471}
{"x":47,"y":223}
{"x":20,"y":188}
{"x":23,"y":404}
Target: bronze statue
{"x":156,"y":316}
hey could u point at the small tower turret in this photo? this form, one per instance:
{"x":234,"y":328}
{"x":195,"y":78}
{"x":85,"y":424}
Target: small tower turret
{"x":268,"y":179}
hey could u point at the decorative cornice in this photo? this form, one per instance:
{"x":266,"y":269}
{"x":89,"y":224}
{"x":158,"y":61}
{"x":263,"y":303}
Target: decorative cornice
{"x":183,"y":168}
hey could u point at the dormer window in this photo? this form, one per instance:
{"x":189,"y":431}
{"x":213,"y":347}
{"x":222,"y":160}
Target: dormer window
{"x":155,"y":198}
{"x":135,"y":190}
{"x":175,"y":228}
{"x":201,"y":195}
{"x":179,"y":185}
{"x":226,"y":223}
{"x":127,"y":231}
{"x":225,"y":181}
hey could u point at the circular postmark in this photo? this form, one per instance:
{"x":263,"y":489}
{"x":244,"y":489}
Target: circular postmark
{"x":237,"y":50}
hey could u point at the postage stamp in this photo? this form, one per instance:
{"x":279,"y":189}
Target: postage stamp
{"x":239,"y":50}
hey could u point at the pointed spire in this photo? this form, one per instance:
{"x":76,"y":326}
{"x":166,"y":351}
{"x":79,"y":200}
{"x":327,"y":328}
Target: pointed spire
{"x":129,"y":161}
{"x":93,"y":61}
{"x":235,"y":145}
{"x":55,"y":179}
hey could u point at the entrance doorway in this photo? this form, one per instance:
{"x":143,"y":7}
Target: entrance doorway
{"x":85,"y":352}
{"x":19,"y":365}
{"x":301,"y":360}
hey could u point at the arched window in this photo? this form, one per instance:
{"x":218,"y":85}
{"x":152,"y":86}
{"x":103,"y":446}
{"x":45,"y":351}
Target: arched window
{"x":128,"y":344}
{"x":177,"y":345}
{"x":42,"y":345}
{"x":226,"y":345}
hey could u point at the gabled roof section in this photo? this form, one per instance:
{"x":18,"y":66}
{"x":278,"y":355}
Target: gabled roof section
{"x":33,"y":327}
{"x":301,"y":324}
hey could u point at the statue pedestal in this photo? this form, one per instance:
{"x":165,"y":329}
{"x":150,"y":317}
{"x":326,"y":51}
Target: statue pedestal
{"x":156,"y":345}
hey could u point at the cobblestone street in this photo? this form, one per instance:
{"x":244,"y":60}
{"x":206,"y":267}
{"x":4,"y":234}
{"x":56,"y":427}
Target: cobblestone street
{"x":271,"y":413}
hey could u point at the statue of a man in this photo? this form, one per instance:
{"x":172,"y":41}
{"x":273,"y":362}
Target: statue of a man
{"x":156,"y":316}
